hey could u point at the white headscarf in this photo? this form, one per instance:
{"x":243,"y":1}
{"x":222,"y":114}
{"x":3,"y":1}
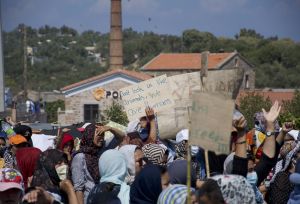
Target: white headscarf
{"x":128,"y":151}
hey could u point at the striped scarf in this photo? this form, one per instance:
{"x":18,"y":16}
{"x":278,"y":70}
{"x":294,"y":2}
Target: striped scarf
{"x":154,"y":153}
{"x":175,"y":194}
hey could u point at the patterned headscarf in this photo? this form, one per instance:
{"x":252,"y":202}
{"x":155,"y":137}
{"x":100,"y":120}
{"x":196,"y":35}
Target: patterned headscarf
{"x":235,"y":189}
{"x":284,"y":163}
{"x":45,"y":174}
{"x":154,"y":153}
{"x":181,"y":151}
{"x":90,"y":151}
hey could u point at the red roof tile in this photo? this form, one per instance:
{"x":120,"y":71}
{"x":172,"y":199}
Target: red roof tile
{"x":276,"y":94}
{"x":175,"y":61}
{"x":137,"y":75}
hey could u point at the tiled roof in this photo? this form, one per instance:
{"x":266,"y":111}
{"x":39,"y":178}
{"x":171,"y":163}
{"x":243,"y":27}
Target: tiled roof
{"x":273,"y":94}
{"x":175,"y":61}
{"x":137,"y":75}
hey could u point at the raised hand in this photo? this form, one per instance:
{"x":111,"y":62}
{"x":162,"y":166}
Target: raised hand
{"x":102,"y":129}
{"x":66,"y":186}
{"x":240,"y":124}
{"x":150,"y":113}
{"x":287,"y":126}
{"x":273,"y":114}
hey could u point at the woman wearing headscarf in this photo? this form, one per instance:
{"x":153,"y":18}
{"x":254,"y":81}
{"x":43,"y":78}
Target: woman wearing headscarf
{"x":84,"y":167}
{"x":52,"y":175}
{"x":156,"y":154}
{"x":135,"y":161}
{"x":280,"y":186}
{"x":67,"y":145}
{"x":27,"y":158}
{"x":178,"y":173}
{"x":147,"y":186}
{"x":113,"y":169}
{"x":220,"y":189}
{"x":181,"y":149}
{"x":175,"y":194}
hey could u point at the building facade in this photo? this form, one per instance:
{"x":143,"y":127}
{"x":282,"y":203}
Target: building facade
{"x":80,"y":103}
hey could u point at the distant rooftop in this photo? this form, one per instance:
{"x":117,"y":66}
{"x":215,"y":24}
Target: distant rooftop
{"x":188,"y":61}
{"x":133,"y":74}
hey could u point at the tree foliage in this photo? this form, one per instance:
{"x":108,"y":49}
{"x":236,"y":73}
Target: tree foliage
{"x":61,"y":58}
{"x":291,"y":110}
{"x":251,"y":104}
{"x":51,"y":110}
{"x":116,"y":114}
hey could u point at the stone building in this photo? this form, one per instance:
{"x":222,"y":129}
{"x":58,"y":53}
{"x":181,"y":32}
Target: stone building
{"x":179,"y":63}
{"x":80,"y":104}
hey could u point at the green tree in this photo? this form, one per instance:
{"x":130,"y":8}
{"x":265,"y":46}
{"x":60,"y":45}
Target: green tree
{"x":291,"y":110}
{"x":252,"y":103}
{"x":51,"y":110}
{"x":196,"y":41}
{"x":116,"y":114}
{"x":244,"y":32}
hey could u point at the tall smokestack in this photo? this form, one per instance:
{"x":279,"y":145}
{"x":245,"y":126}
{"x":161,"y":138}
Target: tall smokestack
{"x":116,"y":38}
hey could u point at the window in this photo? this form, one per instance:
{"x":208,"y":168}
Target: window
{"x":91,"y":112}
{"x":247,"y":81}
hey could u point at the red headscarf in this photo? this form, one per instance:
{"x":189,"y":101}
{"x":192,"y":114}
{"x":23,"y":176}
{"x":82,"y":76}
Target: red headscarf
{"x":26,"y":159}
{"x":66,"y":138}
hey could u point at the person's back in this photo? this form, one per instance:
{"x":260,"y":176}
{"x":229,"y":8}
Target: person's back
{"x":102,"y":191}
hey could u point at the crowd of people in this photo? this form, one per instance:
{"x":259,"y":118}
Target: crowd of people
{"x":137,"y":167}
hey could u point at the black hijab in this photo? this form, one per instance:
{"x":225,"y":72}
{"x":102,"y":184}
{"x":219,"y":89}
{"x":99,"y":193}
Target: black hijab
{"x":45,"y":174}
{"x":146,"y":186}
{"x":178,"y":173}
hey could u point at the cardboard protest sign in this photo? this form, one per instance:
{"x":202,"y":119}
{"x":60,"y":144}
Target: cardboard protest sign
{"x":173,"y":120}
{"x":108,"y":135}
{"x":211,"y":121}
{"x":225,"y":82}
{"x":154,"y":92}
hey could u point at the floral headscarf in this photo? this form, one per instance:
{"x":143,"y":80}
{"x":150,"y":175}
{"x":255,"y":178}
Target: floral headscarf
{"x":90,"y":151}
{"x":235,"y":189}
{"x":289,"y":151}
{"x":181,"y":151}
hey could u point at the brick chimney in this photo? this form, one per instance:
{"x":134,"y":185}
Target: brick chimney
{"x":116,"y":38}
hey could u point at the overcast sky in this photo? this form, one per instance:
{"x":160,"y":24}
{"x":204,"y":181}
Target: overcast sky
{"x":220,"y":17}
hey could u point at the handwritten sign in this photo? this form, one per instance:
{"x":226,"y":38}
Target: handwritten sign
{"x":211,"y":121}
{"x":225,"y":82}
{"x":154,"y":92}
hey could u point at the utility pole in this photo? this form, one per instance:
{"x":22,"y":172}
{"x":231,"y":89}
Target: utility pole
{"x":2,"y":89}
{"x":25,"y":62}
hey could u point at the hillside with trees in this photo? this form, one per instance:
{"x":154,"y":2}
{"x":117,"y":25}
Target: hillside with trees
{"x":60,"y":56}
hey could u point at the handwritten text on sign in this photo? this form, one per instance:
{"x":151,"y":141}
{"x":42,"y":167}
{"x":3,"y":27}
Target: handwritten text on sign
{"x":153,"y":92}
{"x":211,"y":121}
{"x":225,"y":82}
